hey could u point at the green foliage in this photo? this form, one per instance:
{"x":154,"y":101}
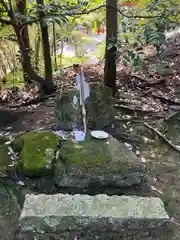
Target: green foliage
{"x":132,"y":58}
{"x":138,"y":26}
{"x":14,"y":79}
{"x":99,"y":52}
{"x":134,"y":31}
{"x":64,"y":61}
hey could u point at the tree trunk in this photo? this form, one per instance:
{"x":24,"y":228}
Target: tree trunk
{"x":27,"y":66}
{"x":47,"y":86}
{"x":37,"y":49}
{"x":54,"y":46}
{"x":46,"y":49}
{"x":111,"y":38}
{"x":21,"y":7}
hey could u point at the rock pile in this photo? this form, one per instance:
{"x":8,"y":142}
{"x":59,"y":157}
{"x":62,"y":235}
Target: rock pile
{"x":88,"y":168}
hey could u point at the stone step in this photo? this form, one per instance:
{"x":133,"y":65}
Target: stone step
{"x":92,"y":217}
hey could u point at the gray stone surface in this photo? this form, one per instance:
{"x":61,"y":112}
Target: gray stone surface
{"x":5,"y":160}
{"x":37,"y":152}
{"x":99,"y":108}
{"x":9,"y":212}
{"x":91,"y":217}
{"x":97,"y":163}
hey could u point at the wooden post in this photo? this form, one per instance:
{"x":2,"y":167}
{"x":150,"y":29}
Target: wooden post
{"x":78,"y":70}
{"x":83,"y":102}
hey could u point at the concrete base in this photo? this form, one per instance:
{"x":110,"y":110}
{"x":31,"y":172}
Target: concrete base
{"x":66,"y":217}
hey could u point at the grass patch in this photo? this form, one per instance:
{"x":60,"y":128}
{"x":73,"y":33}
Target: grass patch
{"x":99,"y":51}
{"x":69,"y":61}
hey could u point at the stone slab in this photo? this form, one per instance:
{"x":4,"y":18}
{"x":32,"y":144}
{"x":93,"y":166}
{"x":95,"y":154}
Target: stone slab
{"x":68,"y":216}
{"x":97,"y":164}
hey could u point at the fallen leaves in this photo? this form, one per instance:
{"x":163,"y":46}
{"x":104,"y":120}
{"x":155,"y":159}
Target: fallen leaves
{"x":20,"y":97}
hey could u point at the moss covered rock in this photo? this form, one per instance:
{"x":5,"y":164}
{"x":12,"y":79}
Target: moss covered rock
{"x":5,"y":159}
{"x":67,"y":113}
{"x":99,"y":106}
{"x":98,"y":163}
{"x":38,"y":151}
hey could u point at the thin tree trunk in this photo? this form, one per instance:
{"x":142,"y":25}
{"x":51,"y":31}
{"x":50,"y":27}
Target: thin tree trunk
{"x":27,"y":66}
{"x":47,"y":86}
{"x":54,"y":45}
{"x":37,"y":49}
{"x":21,"y":7}
{"x":111,"y":38}
{"x":46,"y":49}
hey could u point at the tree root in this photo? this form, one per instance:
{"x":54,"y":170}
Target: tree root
{"x":127,"y":107}
{"x":166,"y":100}
{"x":146,"y":82}
{"x":125,"y":101}
{"x":149,"y":84}
{"x":138,"y":78}
{"x":126,"y":138}
{"x":132,"y":108}
{"x":162,"y":137}
{"x":171,"y":115}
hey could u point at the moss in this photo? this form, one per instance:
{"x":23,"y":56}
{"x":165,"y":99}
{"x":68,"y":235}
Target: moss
{"x":65,"y":109}
{"x":99,"y":105}
{"x":32,"y":158}
{"x":17,"y":144}
{"x":5,"y":159}
{"x":99,"y":108}
{"x":73,"y":152}
{"x":97,"y":155}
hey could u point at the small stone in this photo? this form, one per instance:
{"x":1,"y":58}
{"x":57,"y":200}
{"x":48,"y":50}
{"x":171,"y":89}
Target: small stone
{"x":20,"y":183}
{"x":138,"y":153}
{"x":143,"y":159}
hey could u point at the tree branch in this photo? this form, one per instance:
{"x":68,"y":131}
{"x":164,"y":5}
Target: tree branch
{"x":163,"y":137}
{"x":5,"y":21}
{"x":118,"y":10}
{"x":86,"y":12}
{"x":9,"y":38}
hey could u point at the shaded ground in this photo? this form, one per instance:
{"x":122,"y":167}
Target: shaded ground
{"x":27,"y":119}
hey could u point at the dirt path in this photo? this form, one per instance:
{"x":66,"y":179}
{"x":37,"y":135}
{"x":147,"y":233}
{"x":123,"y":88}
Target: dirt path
{"x":26,"y":119}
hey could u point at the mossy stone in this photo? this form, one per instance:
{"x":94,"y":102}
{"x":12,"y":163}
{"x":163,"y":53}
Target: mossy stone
{"x":5,"y":159}
{"x":103,"y":161}
{"x":17,"y":144}
{"x":99,"y":108}
{"x":67,"y":113}
{"x":37,"y":153}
